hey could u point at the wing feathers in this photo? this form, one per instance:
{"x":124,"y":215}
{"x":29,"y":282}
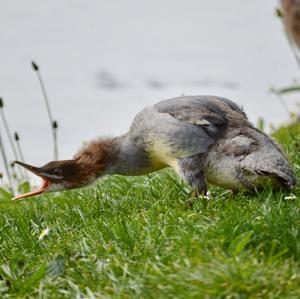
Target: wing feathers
{"x":200,"y":111}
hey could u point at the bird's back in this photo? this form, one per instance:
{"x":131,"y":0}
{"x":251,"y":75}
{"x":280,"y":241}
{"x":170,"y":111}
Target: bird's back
{"x":183,"y":126}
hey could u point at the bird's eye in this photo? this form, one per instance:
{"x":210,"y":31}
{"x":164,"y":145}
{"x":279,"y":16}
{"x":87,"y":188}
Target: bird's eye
{"x":57,"y":172}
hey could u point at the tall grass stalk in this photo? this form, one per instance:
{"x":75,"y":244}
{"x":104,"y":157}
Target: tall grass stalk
{"x":8,"y":132}
{"x":5,"y":162}
{"x":20,"y":152}
{"x":53,"y":123}
{"x":293,"y":49}
{"x":281,"y":101}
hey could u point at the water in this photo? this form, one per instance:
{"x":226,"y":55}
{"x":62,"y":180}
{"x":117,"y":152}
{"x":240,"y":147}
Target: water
{"x":102,"y":61}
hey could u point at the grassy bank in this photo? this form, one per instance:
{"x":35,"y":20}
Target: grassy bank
{"x":137,"y":238}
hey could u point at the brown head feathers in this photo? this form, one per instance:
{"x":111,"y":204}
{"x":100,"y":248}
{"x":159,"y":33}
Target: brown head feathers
{"x":95,"y":155}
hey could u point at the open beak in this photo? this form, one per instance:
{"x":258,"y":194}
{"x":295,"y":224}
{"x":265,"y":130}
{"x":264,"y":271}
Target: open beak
{"x":44,"y":186}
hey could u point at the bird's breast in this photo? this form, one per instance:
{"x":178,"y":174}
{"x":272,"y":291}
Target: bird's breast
{"x":163,"y":155}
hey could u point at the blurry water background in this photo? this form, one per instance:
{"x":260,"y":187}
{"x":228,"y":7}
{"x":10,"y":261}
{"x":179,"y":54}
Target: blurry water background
{"x":102,"y":61}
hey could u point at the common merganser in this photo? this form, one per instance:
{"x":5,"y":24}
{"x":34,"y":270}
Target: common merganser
{"x":203,"y":138}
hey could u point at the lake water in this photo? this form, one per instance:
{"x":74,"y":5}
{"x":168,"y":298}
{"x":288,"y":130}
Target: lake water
{"x":102,"y":61}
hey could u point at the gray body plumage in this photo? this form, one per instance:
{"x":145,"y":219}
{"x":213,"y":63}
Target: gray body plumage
{"x":204,"y":138}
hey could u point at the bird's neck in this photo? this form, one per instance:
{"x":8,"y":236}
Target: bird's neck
{"x":127,"y":157}
{"x":119,"y":155}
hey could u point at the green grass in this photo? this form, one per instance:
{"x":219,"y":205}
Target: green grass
{"x":137,"y":238}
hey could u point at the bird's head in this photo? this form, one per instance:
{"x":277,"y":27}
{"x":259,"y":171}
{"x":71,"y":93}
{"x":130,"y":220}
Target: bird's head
{"x":58,"y":176}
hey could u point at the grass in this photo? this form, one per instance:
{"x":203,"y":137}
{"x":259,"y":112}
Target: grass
{"x":137,"y":238}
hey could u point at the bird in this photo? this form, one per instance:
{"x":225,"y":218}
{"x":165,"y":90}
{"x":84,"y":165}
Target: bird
{"x":205,"y":139}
